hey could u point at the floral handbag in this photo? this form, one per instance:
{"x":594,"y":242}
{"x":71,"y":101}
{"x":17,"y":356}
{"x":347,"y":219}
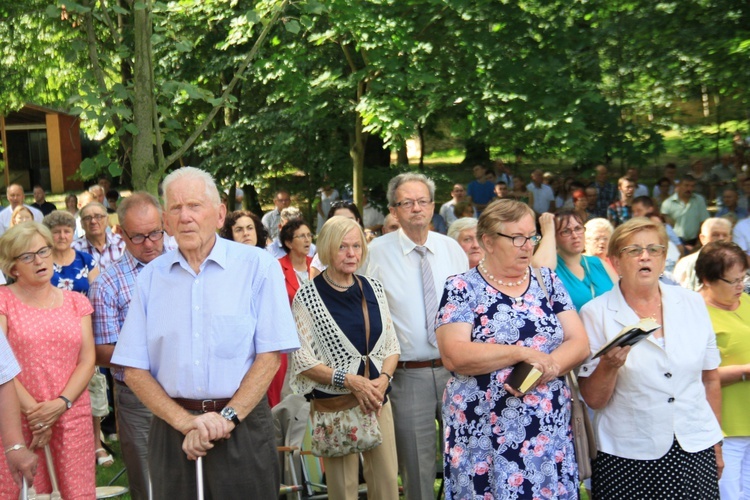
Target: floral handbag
{"x":339,"y":426}
{"x":336,"y":433}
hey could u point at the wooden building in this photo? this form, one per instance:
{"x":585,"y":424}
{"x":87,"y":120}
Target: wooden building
{"x":42,"y":146}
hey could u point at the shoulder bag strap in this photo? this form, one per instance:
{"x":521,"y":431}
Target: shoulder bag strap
{"x":538,"y":274}
{"x":366,"y":315}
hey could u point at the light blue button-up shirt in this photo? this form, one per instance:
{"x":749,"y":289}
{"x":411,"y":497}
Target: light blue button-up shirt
{"x":198,"y":334}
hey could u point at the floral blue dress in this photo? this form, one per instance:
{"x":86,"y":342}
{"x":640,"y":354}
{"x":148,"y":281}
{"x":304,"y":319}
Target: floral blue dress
{"x":74,"y":276}
{"x":498,"y":446}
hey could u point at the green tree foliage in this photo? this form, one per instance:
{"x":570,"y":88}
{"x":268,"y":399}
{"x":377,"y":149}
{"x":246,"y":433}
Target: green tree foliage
{"x":192,"y":81}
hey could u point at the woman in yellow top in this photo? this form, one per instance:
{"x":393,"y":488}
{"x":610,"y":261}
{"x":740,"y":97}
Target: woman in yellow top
{"x":721,"y":268}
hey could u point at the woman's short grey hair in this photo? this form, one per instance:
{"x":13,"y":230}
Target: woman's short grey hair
{"x":212,"y":192}
{"x":461,"y":224}
{"x":59,"y":218}
{"x":16,"y":241}
{"x":400,"y":179}
{"x":333,"y":233}
{"x":498,"y":213}
{"x":599,"y":223}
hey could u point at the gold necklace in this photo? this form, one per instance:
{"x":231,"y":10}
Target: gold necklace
{"x":499,"y":281}
{"x":651,"y":316}
{"x":26,"y":299}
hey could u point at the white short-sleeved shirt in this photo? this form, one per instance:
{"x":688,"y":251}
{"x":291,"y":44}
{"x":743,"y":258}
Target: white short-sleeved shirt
{"x":659,"y":393}
{"x":393,"y":261}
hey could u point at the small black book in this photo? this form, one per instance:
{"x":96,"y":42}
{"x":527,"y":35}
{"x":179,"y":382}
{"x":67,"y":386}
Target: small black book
{"x":523,"y":377}
{"x":630,"y":335}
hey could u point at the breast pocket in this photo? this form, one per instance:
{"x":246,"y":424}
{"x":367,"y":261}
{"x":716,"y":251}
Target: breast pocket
{"x":232,"y":336}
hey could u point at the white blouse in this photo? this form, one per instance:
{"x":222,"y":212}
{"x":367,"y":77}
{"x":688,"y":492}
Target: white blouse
{"x":659,"y":393}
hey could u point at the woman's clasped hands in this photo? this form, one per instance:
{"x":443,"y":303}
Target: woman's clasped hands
{"x":369,"y":393}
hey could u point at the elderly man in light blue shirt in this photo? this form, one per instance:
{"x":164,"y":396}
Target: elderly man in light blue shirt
{"x":201,"y":344}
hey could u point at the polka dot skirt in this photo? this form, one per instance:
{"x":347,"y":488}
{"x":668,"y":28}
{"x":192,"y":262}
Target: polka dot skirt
{"x":676,"y":475}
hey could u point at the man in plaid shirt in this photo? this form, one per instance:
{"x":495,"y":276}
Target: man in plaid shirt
{"x":606,"y":192}
{"x":140,"y":218}
{"x":621,"y":210}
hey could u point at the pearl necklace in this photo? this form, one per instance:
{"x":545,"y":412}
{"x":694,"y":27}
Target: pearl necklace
{"x":334,"y":284}
{"x":499,"y":281}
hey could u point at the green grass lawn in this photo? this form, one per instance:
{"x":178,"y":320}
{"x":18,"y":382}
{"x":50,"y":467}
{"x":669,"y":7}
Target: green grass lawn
{"x":104,"y":475}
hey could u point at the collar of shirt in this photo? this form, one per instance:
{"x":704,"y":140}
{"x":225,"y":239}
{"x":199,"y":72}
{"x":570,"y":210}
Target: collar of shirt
{"x":218,"y":255}
{"x":407,"y":245}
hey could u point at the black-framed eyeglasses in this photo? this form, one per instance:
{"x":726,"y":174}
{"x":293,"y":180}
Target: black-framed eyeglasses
{"x":738,"y":281}
{"x":89,"y":218}
{"x":409,"y":204}
{"x":519,"y":241}
{"x":636,"y":250}
{"x":29,"y":257}
{"x":138,"y":239}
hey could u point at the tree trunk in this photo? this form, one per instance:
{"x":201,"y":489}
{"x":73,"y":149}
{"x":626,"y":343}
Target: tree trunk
{"x":145,"y":174}
{"x":477,"y":152}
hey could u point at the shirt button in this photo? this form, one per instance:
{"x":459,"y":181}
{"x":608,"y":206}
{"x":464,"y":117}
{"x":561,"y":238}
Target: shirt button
{"x":670,"y":400}
{"x":197,"y":362}
{"x":197,"y":307}
{"x":668,"y":375}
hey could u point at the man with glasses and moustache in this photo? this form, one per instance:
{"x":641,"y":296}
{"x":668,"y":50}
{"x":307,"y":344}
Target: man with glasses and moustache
{"x":413,"y":263}
{"x":105,"y":246}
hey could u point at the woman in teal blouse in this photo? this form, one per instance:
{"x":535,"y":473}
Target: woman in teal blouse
{"x":584,"y":276}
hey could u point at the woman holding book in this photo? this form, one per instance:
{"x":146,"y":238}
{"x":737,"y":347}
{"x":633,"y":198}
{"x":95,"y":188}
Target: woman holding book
{"x":500,"y":443}
{"x":658,"y":407}
{"x":721,"y":268}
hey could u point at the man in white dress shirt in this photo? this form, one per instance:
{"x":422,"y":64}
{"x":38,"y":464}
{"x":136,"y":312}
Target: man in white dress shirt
{"x":447,"y":210}
{"x":15,"y":196}
{"x":420,"y":379}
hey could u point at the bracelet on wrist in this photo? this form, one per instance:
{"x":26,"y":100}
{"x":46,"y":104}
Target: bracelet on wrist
{"x":18,"y":446}
{"x":339,"y":377}
{"x":744,"y":378}
{"x":390,"y":377}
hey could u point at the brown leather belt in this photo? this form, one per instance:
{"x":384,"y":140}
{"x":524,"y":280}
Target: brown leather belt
{"x":410,"y":365}
{"x":202,"y":405}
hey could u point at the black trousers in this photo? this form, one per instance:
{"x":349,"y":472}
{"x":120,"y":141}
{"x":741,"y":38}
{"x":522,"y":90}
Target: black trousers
{"x":243,"y":466}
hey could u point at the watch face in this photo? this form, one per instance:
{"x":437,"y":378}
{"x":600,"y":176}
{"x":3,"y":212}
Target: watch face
{"x":228,"y":413}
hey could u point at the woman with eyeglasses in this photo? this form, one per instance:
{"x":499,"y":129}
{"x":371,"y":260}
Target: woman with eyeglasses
{"x":721,"y":269}
{"x":49,"y":330}
{"x":500,"y":443}
{"x":72,"y":269}
{"x":657,"y":403}
{"x":295,"y":237}
{"x":585,"y":277}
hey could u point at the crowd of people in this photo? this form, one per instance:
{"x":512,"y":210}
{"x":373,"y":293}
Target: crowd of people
{"x":208,"y":319}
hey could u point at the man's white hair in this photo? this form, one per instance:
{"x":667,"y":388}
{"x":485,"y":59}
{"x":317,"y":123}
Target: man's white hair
{"x":212,"y":192}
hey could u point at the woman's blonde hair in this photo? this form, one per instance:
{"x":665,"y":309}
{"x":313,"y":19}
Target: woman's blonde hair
{"x":332,"y":234}
{"x":16,"y":240}
{"x":635,"y":225}
{"x":17,"y":211}
{"x":498,"y":213}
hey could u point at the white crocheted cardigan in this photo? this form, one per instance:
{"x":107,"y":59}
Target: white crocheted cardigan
{"x":322,"y":341}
